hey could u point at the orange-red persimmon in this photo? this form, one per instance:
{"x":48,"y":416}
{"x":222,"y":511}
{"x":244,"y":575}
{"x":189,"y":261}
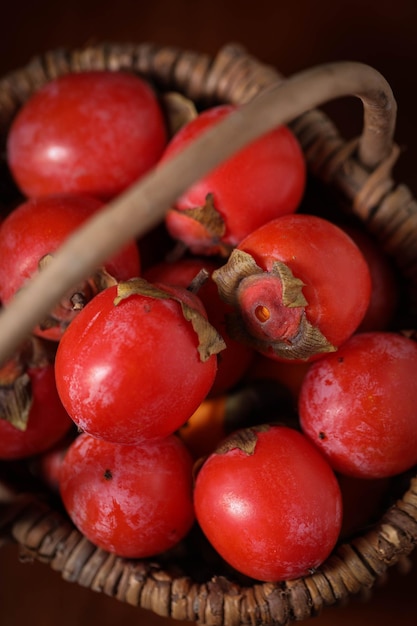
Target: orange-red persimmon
{"x":300,"y":287}
{"x":236,"y":357}
{"x":359,"y":405}
{"x":128,"y":367}
{"x":91,"y":132}
{"x":34,"y":231}
{"x":269,"y":503}
{"x":47,"y":424}
{"x":135,"y":501}
{"x":263,"y":180}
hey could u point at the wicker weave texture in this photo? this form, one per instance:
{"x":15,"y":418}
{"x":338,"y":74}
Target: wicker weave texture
{"x":363,"y":179}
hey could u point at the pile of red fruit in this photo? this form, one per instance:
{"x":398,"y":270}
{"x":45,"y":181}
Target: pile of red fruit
{"x":232,"y":370}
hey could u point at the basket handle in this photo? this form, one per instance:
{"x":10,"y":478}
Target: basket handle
{"x":143,"y":206}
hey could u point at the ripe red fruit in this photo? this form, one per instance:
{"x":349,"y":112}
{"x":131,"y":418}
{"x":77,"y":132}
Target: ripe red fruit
{"x":33,"y":232}
{"x":135,"y":501}
{"x":359,"y":405}
{"x":235,"y":359}
{"x":131,"y":366}
{"x":269,"y":503}
{"x":47,"y":424}
{"x":299,"y":285}
{"x":89,"y":132}
{"x":263,"y":180}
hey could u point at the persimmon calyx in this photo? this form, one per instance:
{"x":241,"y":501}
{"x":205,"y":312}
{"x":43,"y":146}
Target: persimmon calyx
{"x":76,"y":298}
{"x":16,"y":401}
{"x":210,"y":342}
{"x":269,"y":309}
{"x":244,"y":439}
{"x":179,"y":111}
{"x":206,"y":230}
{"x":15,"y":392}
{"x":208,"y":216}
{"x":16,"y":397}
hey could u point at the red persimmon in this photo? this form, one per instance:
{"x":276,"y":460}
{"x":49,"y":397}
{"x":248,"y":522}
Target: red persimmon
{"x":359,"y":405}
{"x":48,"y":421}
{"x":89,"y":132}
{"x":235,"y":359}
{"x":269,"y":503}
{"x":135,"y":501}
{"x":35,"y":230}
{"x":263,"y":180}
{"x":299,"y":286}
{"x":129,"y":367}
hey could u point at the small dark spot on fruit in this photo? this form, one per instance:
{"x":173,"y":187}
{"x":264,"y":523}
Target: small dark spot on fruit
{"x":108,"y":474}
{"x":340,"y":359}
{"x":322,"y":435}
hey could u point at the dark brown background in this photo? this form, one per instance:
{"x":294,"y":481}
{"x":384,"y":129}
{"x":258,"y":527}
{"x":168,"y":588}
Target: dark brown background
{"x":292,"y":36}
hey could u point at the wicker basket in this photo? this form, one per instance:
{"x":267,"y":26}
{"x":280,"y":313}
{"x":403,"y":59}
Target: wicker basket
{"x":188,"y":583}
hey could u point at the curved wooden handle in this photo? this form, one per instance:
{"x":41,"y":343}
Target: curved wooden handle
{"x":143,"y":206}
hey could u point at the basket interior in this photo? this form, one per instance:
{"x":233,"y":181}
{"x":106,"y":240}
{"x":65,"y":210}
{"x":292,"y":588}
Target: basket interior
{"x":191,"y":582}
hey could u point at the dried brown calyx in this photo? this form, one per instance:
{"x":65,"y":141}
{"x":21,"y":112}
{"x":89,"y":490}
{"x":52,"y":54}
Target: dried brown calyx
{"x":269,"y":309}
{"x":74,"y":301}
{"x":205,"y":228}
{"x":179,"y":110}
{"x":15,"y":383}
{"x":210,"y":341}
{"x":244,"y":439}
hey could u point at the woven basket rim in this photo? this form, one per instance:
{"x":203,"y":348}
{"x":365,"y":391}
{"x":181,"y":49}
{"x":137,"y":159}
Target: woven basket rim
{"x":361,"y":170}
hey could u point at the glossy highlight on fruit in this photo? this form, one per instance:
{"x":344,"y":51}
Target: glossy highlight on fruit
{"x":299,"y":286}
{"x":269,"y":503}
{"x":135,"y":501}
{"x":359,"y":405}
{"x":262,"y":181}
{"x":92,"y":132}
{"x":130,"y":367}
